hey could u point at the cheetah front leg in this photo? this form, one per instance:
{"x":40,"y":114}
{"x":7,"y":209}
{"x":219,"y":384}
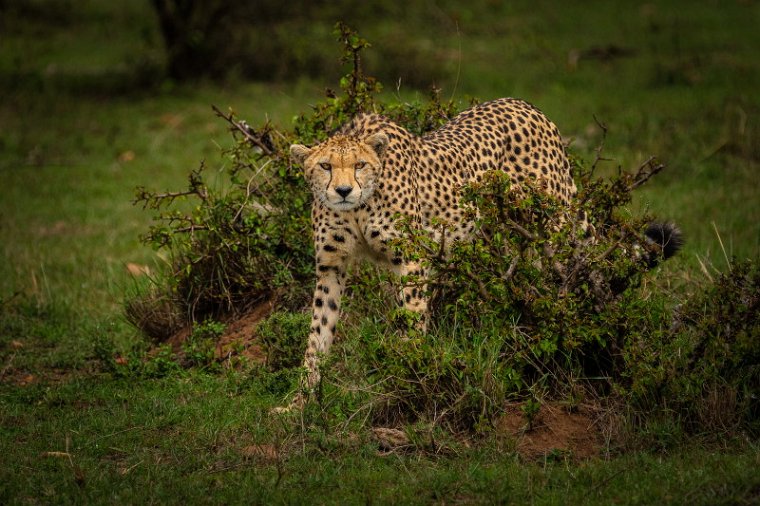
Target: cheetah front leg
{"x":325,"y":312}
{"x":331,"y":279}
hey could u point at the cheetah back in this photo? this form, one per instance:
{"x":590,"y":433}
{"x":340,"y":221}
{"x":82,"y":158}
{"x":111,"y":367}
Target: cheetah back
{"x":423,"y":175}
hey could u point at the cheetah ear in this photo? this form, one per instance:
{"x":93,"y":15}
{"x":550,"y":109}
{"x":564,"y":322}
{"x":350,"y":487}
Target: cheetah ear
{"x":377,"y":141}
{"x":299,"y":152}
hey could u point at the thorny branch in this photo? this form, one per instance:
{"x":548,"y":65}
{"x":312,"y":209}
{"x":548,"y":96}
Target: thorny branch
{"x":156,"y":200}
{"x":645,"y":172}
{"x":600,"y":148}
{"x":258,"y":139}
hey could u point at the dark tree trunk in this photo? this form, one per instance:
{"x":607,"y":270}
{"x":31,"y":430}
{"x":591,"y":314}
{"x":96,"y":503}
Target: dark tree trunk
{"x":191,"y":29}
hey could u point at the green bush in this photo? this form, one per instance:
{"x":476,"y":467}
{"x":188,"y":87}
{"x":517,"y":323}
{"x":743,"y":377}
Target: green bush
{"x":523,"y":308}
{"x":706,"y":367}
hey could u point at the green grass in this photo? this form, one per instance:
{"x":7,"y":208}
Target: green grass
{"x":190,"y":439}
{"x":76,"y":138}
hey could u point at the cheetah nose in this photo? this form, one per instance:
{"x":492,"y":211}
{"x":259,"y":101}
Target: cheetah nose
{"x":343,"y":191}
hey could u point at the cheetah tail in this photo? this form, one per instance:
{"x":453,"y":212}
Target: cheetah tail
{"x":667,"y":237}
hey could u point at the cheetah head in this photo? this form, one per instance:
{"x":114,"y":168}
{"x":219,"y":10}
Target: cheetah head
{"x":342,"y":171}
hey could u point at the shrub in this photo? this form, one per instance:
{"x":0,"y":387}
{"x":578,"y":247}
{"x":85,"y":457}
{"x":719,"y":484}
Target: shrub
{"x":706,"y":367}
{"x":525,"y":306}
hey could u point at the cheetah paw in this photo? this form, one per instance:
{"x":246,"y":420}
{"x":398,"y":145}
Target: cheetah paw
{"x":296,"y":405}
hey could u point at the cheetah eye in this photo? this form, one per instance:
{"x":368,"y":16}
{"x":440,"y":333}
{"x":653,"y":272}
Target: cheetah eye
{"x":325,"y":166}
{"x":359,"y":165}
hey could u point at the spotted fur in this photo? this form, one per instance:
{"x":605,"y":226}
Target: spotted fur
{"x":373,"y":170}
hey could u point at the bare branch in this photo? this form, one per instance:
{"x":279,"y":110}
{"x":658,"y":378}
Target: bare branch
{"x":645,"y":172}
{"x":442,"y":249}
{"x":521,"y":230}
{"x":190,"y":228}
{"x":155,"y":200}
{"x":512,"y":266}
{"x":600,"y":148}
{"x":482,"y":289}
{"x":256,"y":138}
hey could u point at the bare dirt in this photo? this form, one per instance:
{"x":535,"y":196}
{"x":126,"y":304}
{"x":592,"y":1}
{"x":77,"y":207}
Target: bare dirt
{"x":554,"y":431}
{"x":239,"y":337}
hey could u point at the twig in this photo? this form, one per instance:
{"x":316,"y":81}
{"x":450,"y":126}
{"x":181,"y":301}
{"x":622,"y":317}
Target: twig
{"x":482,"y":289}
{"x":191,"y":229}
{"x":612,"y":248}
{"x":248,"y":191}
{"x":154,"y":200}
{"x":521,"y":230}
{"x":598,"y":151}
{"x":512,"y":267}
{"x":245,"y":130}
{"x":645,"y":172}
{"x":442,"y":249}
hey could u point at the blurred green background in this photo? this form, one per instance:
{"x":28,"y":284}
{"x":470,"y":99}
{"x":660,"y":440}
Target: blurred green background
{"x":99,"y":97}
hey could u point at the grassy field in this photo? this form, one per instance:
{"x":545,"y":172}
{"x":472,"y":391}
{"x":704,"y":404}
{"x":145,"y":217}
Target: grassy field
{"x":677,"y":80}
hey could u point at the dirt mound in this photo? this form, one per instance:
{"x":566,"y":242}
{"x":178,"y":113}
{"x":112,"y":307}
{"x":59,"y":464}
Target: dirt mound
{"x":238,"y":339}
{"x":554,"y":431}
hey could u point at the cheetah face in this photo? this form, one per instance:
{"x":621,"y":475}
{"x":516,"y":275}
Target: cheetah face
{"x":342,"y":171}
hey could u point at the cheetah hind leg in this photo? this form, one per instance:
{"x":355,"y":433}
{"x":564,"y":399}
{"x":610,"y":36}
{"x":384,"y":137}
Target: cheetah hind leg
{"x":414,"y":294}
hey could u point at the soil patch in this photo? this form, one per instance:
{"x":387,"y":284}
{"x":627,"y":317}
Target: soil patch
{"x":239,"y":338}
{"x":554,"y":431}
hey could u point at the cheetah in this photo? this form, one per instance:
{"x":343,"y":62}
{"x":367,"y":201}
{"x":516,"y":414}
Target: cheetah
{"x":373,"y":170}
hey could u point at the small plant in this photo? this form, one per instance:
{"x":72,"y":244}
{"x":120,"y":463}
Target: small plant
{"x":138,"y":362}
{"x":162,"y":363}
{"x":199,"y":350}
{"x":530,"y":410}
{"x":208,"y":330}
{"x":282,"y":335}
{"x":706,"y":366}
